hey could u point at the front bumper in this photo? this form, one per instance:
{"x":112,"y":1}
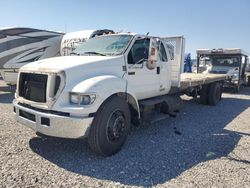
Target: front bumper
{"x":231,"y":83}
{"x":55,"y":125}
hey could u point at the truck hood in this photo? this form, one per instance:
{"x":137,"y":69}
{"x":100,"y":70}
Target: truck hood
{"x":223,"y":70}
{"x":57,"y":64}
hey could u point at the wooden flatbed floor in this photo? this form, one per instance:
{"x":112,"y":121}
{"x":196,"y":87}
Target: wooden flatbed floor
{"x":196,"y":79}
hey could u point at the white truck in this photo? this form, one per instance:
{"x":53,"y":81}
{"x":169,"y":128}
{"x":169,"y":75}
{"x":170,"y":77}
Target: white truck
{"x":111,"y":81}
{"x":230,"y":61}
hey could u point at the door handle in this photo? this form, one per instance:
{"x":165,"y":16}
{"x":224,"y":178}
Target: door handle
{"x":131,"y":73}
{"x":158,"y":70}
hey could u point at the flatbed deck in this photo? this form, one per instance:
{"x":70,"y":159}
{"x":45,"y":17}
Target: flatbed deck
{"x":196,"y":79}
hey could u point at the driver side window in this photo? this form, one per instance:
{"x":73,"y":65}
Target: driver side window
{"x":139,"y":51}
{"x":163,"y":54}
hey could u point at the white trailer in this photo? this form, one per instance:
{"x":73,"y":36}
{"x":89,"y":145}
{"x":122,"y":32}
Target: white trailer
{"x":111,"y":81}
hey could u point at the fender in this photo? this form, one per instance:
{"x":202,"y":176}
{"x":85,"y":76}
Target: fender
{"x":104,"y":87}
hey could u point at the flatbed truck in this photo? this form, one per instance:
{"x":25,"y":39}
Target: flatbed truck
{"x":109,"y":83}
{"x":230,"y":61}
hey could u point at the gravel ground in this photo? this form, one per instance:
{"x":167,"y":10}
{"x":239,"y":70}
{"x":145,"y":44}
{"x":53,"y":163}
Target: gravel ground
{"x":203,"y":146}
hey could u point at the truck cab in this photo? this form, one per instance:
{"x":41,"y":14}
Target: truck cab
{"x":96,"y":91}
{"x":230,"y":61}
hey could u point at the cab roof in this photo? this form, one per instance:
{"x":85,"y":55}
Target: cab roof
{"x":221,"y":51}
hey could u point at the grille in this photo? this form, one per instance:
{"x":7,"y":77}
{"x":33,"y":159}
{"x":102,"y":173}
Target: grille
{"x":57,"y":84}
{"x":218,"y":72}
{"x":33,"y":86}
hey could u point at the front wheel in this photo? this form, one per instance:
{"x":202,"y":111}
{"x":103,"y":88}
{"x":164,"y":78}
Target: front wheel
{"x":110,"y":127}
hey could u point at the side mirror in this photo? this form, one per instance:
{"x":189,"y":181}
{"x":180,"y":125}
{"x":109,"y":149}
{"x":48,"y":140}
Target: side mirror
{"x":152,"y":60}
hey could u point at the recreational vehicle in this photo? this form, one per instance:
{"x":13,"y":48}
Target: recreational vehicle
{"x":19,"y":46}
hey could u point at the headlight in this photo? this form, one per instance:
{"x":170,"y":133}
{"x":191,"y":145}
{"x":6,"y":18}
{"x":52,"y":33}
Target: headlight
{"x":235,"y":76}
{"x":74,"y":98}
{"x":235,"y":81}
{"x":87,"y":99}
{"x":82,"y":99}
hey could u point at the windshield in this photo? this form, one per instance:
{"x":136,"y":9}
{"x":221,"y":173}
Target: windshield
{"x":104,"y":45}
{"x":222,"y":61}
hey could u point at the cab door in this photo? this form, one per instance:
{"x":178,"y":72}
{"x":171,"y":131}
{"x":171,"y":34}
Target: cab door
{"x":164,"y":66}
{"x":143,"y":81}
{"x":174,"y":47}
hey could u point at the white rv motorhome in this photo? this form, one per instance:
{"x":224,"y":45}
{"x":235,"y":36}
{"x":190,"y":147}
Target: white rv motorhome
{"x":73,"y":39}
{"x":19,"y":46}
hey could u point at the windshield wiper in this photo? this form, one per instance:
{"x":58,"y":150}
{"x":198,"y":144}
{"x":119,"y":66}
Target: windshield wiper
{"x":95,"y":53}
{"x":74,"y":53}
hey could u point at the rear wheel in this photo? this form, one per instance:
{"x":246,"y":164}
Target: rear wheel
{"x":214,"y":93}
{"x":236,"y":89}
{"x":248,"y":81}
{"x":204,"y":95}
{"x":110,"y":127}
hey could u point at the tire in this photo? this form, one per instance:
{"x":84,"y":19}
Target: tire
{"x":236,"y":89}
{"x":110,"y":127}
{"x":204,"y":95}
{"x":214,"y":94}
{"x":248,"y":81}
